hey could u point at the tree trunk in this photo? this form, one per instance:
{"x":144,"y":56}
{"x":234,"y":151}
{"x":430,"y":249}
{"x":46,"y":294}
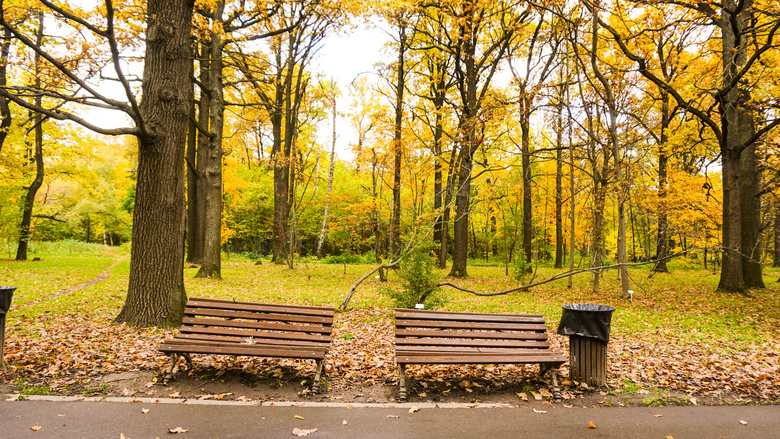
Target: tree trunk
{"x":204,"y":119}
{"x":331,"y":172}
{"x":5,"y":110}
{"x":395,"y":219}
{"x":526,"y":169}
{"x":211,"y":267}
{"x":741,"y":266}
{"x":37,"y":158}
{"x":192,"y":185}
{"x":776,"y":262}
{"x":155,"y":294}
{"x":559,"y":246}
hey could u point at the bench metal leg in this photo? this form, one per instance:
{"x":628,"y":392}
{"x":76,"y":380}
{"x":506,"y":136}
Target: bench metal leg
{"x":402,"y":377}
{"x":556,"y":389}
{"x":171,"y":365}
{"x":315,"y":387}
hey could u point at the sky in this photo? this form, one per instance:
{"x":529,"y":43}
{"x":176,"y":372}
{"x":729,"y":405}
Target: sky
{"x":342,"y":57}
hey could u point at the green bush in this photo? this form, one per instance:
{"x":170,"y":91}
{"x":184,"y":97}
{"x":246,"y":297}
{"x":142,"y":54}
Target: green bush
{"x":418,"y":280}
{"x":522,"y":267}
{"x":348,"y":259}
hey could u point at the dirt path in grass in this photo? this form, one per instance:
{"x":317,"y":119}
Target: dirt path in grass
{"x":64,"y":292}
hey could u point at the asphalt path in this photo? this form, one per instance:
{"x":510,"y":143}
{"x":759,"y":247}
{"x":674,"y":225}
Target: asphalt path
{"x":214,"y":419}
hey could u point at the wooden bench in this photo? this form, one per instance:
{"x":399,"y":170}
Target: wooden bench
{"x":226,"y":327}
{"x":441,"y":337}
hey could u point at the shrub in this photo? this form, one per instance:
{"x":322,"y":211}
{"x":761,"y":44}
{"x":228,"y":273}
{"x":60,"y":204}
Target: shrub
{"x":418,"y":280}
{"x":522,"y":267}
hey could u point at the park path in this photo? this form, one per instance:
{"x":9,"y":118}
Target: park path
{"x":69,"y":290}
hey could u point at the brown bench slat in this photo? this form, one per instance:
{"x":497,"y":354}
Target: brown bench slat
{"x":261,"y":307}
{"x":226,"y":343}
{"x":404,"y":313}
{"x":481,"y":358}
{"x":471,"y":334}
{"x":470,"y":343}
{"x":247,"y":333}
{"x":257,"y":325}
{"x":404,"y":350}
{"x":212,"y":312}
{"x":256,"y":340}
{"x":536,"y":327}
{"x":250,"y":350}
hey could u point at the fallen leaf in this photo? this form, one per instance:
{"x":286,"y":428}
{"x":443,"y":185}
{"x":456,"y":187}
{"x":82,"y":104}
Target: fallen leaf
{"x":122,"y":436}
{"x":344,"y":422}
{"x":670,"y":437}
{"x":144,"y":411}
{"x":658,"y":416}
{"x":174,"y":395}
{"x":522,"y":396}
{"x":392,"y":416}
{"x":591,"y":425}
{"x":35,"y":427}
{"x":414,"y":409}
{"x":540,"y":411}
{"x":743,"y":422}
{"x":60,"y":415}
{"x":298,"y":417}
{"x":300,"y":432}
{"x":177,"y":430}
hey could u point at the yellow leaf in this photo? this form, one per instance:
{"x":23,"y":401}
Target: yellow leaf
{"x":298,"y":417}
{"x":591,"y":425}
{"x":35,"y":427}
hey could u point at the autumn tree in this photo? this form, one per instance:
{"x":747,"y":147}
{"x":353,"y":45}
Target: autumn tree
{"x":478,"y":35}
{"x":747,"y":31}
{"x":156,"y":287}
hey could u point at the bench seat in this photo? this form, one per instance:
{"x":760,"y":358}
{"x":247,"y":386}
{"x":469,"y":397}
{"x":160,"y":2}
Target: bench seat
{"x":224,"y":327}
{"x":444,"y":337}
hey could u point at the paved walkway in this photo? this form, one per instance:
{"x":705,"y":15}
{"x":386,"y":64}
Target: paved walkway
{"x":47,"y":417}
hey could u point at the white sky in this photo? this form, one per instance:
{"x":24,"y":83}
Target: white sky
{"x":343,"y":57}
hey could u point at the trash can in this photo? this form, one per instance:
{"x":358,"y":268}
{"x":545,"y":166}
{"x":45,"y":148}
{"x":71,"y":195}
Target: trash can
{"x":587,"y":326}
{"x":6,"y":294}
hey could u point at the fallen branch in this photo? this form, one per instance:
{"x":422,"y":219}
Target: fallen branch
{"x":348,"y":297}
{"x":561,"y":276}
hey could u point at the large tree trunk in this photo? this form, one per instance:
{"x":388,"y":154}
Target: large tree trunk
{"x":155,"y":294}
{"x":662,"y":246}
{"x":211,"y":265}
{"x":741,"y":176}
{"x":37,"y":157}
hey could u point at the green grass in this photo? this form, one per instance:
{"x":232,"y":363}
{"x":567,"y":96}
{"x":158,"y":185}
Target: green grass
{"x":684,"y":302}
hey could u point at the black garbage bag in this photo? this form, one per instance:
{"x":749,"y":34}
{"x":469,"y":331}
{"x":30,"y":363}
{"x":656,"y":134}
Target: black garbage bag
{"x":586,"y":320}
{"x":6,"y":293}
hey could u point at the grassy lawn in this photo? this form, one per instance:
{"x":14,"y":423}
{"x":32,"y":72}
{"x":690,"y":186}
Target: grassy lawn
{"x":677,"y":333}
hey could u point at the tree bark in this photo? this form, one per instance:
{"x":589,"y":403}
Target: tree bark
{"x":37,"y":156}
{"x":5,"y":110}
{"x":331,"y":172}
{"x":211,"y":266}
{"x":155,"y":294}
{"x":395,"y":219}
{"x":559,"y":245}
{"x":662,"y":246}
{"x":741,"y":267}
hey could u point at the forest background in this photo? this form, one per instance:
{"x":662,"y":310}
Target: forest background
{"x":584,"y":134}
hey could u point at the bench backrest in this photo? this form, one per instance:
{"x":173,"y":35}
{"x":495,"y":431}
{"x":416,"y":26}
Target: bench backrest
{"x":258,"y":322}
{"x":478,"y":330}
